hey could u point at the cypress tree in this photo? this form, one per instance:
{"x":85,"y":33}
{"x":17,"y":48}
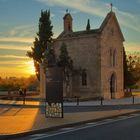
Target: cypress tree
{"x":44,"y":37}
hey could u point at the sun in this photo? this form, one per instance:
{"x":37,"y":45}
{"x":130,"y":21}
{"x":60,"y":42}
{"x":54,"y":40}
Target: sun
{"x":30,"y":67}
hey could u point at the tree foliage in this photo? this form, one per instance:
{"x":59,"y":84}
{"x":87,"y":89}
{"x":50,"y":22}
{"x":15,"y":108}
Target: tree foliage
{"x":49,"y":57}
{"x":44,"y":37}
{"x":14,"y":83}
{"x":66,"y":62}
{"x":64,"y":59}
{"x":45,"y":30}
{"x":125,"y":67}
{"x":131,"y":71}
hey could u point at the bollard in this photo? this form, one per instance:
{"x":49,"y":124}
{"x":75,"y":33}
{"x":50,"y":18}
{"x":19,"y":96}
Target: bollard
{"x":133,"y":100}
{"x":24,"y":100}
{"x":101,"y":100}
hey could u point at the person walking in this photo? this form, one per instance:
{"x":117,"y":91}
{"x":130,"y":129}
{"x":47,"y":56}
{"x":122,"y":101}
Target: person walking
{"x":24,"y":95}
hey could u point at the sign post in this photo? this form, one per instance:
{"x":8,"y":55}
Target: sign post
{"x":54,"y":92}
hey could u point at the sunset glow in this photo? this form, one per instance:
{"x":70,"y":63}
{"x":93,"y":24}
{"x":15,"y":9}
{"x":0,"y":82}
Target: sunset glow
{"x":18,"y":29}
{"x":30,"y":67}
{"x":21,"y":69}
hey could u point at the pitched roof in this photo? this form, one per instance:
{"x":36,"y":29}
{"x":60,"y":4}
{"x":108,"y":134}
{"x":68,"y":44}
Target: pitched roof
{"x":78,"y":33}
{"x":108,"y":17}
{"x":67,"y":15}
{"x":92,"y":31}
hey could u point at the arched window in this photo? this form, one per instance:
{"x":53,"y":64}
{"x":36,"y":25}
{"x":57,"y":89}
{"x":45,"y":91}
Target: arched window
{"x":112,"y":57}
{"x":84,"y":78}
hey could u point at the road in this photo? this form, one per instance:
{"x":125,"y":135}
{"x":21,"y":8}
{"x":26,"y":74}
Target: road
{"x":119,"y":128}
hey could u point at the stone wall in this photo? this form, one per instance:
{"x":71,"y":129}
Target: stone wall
{"x":85,"y":54}
{"x":111,"y":40}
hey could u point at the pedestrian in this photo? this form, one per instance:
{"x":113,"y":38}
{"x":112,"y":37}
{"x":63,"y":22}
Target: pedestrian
{"x":20,"y":92}
{"x":24,"y":95}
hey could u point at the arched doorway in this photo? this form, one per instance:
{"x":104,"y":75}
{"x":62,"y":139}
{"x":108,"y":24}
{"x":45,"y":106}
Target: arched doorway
{"x":113,"y":85}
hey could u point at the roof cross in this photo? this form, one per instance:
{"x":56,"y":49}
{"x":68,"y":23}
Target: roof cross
{"x":111,"y":5}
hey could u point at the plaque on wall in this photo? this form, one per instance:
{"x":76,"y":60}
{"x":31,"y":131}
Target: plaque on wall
{"x":54,"y":110}
{"x":54,"y":92}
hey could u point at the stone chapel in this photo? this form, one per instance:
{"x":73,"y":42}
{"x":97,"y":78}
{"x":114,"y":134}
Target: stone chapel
{"x":98,"y":55}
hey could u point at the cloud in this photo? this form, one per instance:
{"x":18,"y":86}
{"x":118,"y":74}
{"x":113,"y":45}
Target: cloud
{"x":14,"y":62}
{"x":97,"y":8}
{"x":128,"y":20}
{"x":71,"y":11}
{"x":13,"y":56}
{"x":19,"y":34}
{"x":16,"y":43}
{"x":86,"y":6}
{"x":17,"y":39}
{"x":52,"y":15}
{"x":21,"y":31}
{"x":9,"y":47}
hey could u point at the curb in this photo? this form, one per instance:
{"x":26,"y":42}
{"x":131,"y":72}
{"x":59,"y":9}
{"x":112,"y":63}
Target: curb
{"x":38,"y":106}
{"x":23,"y":134}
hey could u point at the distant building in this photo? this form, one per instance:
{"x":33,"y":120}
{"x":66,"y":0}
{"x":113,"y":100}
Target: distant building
{"x":98,"y":55}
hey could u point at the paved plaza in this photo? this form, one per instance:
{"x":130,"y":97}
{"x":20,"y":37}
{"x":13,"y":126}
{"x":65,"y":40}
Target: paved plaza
{"x":15,"y":117}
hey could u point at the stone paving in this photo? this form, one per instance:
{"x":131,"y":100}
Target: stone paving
{"x":13,"y":102}
{"x":122,"y":101}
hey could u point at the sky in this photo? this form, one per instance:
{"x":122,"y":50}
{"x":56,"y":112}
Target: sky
{"x":19,"y":25}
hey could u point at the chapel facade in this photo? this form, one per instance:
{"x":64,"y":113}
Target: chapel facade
{"x":98,"y":56}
